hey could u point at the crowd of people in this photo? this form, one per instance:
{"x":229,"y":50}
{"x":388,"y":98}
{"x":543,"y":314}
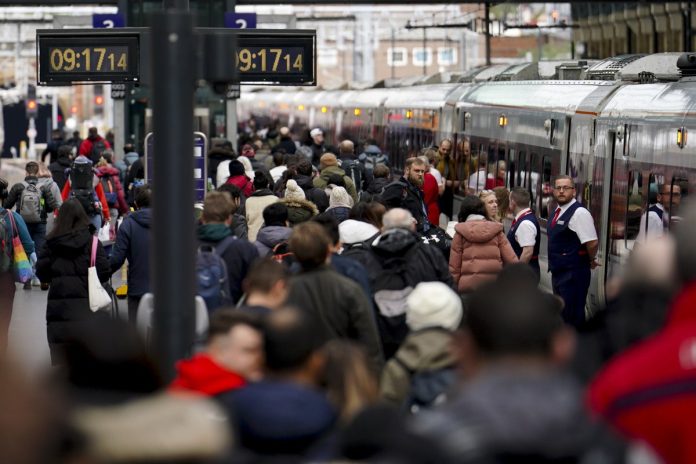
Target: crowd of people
{"x":343,"y":322}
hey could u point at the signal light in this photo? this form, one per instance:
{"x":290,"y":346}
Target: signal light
{"x":99,"y":100}
{"x":73,"y":109}
{"x":324,"y":109}
{"x":300,"y":107}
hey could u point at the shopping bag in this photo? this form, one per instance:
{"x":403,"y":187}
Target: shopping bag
{"x":21,"y":266}
{"x":99,"y":298}
{"x":104,"y":233}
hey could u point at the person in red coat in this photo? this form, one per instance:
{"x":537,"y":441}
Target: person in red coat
{"x":431,"y":194}
{"x":499,"y":179}
{"x":232,"y":357}
{"x":649,"y":391}
{"x":239,"y":178}
{"x":88,"y":143}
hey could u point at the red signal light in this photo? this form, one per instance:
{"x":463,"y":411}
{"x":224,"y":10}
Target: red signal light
{"x":99,"y":100}
{"x":31,"y":104}
{"x":73,"y":109}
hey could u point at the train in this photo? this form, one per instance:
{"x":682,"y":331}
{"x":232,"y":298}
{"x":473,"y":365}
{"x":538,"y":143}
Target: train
{"x":619,"y":127}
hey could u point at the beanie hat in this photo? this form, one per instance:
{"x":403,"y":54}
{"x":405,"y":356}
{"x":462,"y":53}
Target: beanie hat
{"x":433,"y":304}
{"x":340,"y":197}
{"x":236,"y":168}
{"x":293,"y":191}
{"x":328,"y":159}
{"x":316,"y":131}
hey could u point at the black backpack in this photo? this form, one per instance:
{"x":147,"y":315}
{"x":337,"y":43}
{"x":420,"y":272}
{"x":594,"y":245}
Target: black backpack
{"x":352,"y":170}
{"x":391,"y":288}
{"x":81,"y":177}
{"x":98,"y":148}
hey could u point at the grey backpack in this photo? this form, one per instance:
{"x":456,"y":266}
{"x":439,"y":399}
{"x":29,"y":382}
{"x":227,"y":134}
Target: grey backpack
{"x":30,"y":203}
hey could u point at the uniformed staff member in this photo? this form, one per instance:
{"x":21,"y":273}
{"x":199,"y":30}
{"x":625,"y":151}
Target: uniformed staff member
{"x":572,"y":251}
{"x":524,"y":233}
{"x":658,"y":214}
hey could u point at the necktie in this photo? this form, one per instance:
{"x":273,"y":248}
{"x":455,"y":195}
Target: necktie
{"x":555,"y":217}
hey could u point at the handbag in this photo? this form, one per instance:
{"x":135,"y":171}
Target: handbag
{"x":99,"y":298}
{"x":21,"y":266}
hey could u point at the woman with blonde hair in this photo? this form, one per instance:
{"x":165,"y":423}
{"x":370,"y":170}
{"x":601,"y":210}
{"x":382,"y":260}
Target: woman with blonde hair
{"x":350,"y":380}
{"x":490,"y":203}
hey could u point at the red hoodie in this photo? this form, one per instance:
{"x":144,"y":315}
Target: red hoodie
{"x":649,"y":391}
{"x":203,"y":375}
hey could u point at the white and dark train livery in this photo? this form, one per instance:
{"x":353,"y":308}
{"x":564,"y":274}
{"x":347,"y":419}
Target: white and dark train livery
{"x":619,"y":127}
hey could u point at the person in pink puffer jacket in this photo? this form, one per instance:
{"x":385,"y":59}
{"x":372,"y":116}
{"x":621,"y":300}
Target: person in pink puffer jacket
{"x":479,"y":249}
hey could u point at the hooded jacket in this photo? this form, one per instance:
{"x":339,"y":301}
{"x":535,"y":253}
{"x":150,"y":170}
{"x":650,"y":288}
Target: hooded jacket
{"x":423,"y":350}
{"x":63,"y":263}
{"x":313,"y":194}
{"x":238,"y":256}
{"x":270,"y":236}
{"x":300,"y":210}
{"x":479,"y":251}
{"x":58,"y":169}
{"x":86,"y":146}
{"x":254,"y":207}
{"x":425,"y":263}
{"x":377,"y":184}
{"x":50,"y":184}
{"x":202,"y":374}
{"x":243,"y":182}
{"x":322,"y":181}
{"x":133,"y":244}
{"x":103,"y":171}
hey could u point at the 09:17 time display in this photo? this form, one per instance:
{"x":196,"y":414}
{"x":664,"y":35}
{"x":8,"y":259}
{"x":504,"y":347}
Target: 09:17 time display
{"x":270,"y":60}
{"x":107,"y":59}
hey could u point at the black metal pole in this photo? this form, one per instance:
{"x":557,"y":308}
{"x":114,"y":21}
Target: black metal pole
{"x":172,"y":274}
{"x":487,"y":20}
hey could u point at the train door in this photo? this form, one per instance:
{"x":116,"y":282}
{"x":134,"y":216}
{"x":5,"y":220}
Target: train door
{"x":612,"y":190}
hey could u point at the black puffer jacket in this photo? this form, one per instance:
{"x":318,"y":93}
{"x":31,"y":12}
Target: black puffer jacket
{"x":63,"y":262}
{"x":312,"y":193}
{"x":57,"y":169}
{"x":403,"y":194}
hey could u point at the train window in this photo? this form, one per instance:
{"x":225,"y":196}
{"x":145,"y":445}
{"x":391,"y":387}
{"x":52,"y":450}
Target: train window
{"x":477,"y":180}
{"x":634,"y":205}
{"x":522,"y":173}
{"x":546,"y":188}
{"x":533,"y":181}
{"x":679,"y":189}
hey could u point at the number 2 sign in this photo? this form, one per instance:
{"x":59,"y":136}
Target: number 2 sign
{"x":107,"y":21}
{"x":240,"y":20}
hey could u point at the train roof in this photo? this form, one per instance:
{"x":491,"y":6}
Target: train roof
{"x":421,"y":96}
{"x":562,"y":96}
{"x":669,"y":99}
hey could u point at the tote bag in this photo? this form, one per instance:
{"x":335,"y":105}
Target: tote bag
{"x":98,"y":297}
{"x":21,"y":266}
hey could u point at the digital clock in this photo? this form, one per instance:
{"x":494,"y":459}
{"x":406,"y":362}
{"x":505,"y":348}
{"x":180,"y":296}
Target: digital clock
{"x":86,"y":56}
{"x":276,"y":56}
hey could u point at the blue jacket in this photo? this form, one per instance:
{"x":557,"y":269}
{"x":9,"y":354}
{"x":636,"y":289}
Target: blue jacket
{"x":24,"y":236}
{"x":133,"y":244}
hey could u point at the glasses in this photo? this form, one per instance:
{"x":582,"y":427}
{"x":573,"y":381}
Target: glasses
{"x":563,"y":188}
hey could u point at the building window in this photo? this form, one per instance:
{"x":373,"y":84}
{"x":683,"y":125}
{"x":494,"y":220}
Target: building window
{"x":446,"y":56}
{"x":422,"y":56}
{"x":397,"y":56}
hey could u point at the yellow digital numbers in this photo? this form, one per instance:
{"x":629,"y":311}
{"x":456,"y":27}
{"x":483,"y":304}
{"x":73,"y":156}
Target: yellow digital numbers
{"x":273,"y":60}
{"x":89,"y":59}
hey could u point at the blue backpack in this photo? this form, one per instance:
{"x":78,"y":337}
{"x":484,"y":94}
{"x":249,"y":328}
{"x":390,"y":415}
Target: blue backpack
{"x":211,"y":274}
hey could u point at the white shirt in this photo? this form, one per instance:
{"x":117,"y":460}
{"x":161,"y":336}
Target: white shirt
{"x":581,"y":223}
{"x":656,"y":226}
{"x":477,"y":181}
{"x":277,"y":172}
{"x":436,"y":174}
{"x":525,"y":235}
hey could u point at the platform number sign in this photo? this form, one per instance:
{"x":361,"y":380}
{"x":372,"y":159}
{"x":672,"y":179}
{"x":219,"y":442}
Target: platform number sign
{"x":240,"y":20}
{"x":107,"y":21}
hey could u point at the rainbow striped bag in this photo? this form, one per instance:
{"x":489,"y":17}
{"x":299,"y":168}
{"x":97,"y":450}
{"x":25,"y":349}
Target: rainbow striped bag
{"x":22,"y":267}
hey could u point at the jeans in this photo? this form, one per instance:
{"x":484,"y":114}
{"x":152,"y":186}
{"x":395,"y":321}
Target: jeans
{"x":38,"y":234}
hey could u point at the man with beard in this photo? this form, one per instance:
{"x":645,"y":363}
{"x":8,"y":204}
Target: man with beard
{"x":406,"y":193}
{"x":573,"y":249}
